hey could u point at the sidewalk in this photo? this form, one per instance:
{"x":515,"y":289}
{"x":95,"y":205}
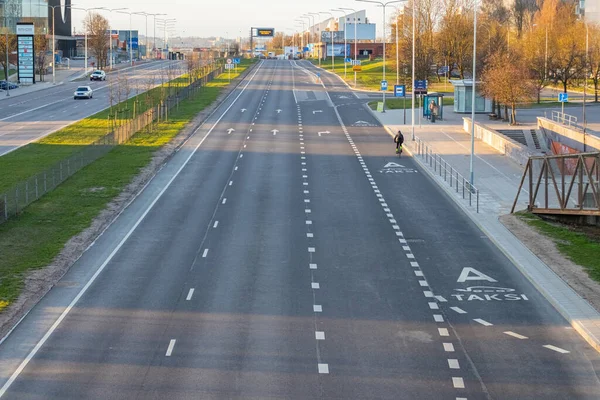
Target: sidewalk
{"x":62,"y":76}
{"x":497,"y":177}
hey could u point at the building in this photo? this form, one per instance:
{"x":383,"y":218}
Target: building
{"x":590,"y":10}
{"x":40,"y":12}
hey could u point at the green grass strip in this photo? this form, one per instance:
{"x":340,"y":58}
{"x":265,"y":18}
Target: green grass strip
{"x":34,"y":238}
{"x":581,"y":248}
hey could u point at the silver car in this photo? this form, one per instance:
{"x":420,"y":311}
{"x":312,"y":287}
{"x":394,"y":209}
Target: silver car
{"x":83,"y":92}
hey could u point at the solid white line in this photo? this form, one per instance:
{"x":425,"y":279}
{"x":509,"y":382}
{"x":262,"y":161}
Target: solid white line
{"x":190,"y":294}
{"x":557,"y":349}
{"x":83,"y":290}
{"x":453,"y":363}
{"x":516,"y":335}
{"x":458,"y":383}
{"x":216,"y":224}
{"x":448,"y":347}
{"x":170,"y":348}
{"x":458,"y":310}
{"x":205,"y":253}
{"x":483,"y":322}
{"x":323,"y":368}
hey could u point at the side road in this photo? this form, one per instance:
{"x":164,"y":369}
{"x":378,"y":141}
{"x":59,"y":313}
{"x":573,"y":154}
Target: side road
{"x":40,"y":282}
{"x":497,"y":177}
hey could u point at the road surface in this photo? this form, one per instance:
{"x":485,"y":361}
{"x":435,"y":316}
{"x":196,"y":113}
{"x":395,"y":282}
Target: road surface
{"x":286,"y":253}
{"x":29,"y":117}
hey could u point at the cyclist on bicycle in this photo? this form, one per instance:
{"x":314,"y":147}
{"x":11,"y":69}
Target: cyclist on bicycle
{"x":399,"y":140}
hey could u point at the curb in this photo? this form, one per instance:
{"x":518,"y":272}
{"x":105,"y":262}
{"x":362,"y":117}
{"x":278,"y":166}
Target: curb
{"x":578,"y":323}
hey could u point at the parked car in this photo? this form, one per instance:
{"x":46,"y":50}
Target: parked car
{"x":83,"y":92}
{"x":10,"y":85}
{"x":98,"y":75}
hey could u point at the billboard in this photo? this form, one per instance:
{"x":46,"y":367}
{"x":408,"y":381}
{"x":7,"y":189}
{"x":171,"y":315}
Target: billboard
{"x":293,"y":50}
{"x":363,"y":31}
{"x":338,"y":50}
{"x":25,"y":52}
{"x":263,"y":32}
{"x":338,"y":36}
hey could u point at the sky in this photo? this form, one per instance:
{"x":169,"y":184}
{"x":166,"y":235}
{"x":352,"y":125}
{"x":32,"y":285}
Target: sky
{"x":224,"y":18}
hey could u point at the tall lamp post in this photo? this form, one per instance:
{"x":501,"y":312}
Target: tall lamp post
{"x":110,"y":41}
{"x":154,"y":36}
{"x":332,"y":49}
{"x":7,"y":66}
{"x":319,"y":39}
{"x":471,"y":171}
{"x":345,"y":41}
{"x":355,"y":38}
{"x":585,"y":79}
{"x":85,"y":56}
{"x":145,"y":14}
{"x":53,"y":45}
{"x":311,"y":21}
{"x":383,"y":6}
{"x":130,"y":36}
{"x":303,"y":31}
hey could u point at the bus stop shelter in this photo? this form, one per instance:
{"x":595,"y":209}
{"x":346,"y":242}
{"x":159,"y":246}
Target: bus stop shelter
{"x":436,"y":99}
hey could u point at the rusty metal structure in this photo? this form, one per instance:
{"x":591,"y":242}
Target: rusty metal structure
{"x":562,"y":184}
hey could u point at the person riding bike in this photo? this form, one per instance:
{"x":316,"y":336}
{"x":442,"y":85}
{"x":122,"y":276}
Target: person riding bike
{"x":399,"y":140}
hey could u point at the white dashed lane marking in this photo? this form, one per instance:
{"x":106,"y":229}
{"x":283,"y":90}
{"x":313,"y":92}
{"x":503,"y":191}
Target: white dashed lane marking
{"x":205,"y":253}
{"x":190,"y":294}
{"x":482,"y":322}
{"x":170,"y":348}
{"x":458,"y":310}
{"x":515,"y":335}
{"x":557,"y":349}
{"x":458,"y":382}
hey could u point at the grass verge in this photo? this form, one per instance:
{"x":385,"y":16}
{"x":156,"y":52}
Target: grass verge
{"x":579,"y":244}
{"x":32,"y":240}
{"x":400,"y":104}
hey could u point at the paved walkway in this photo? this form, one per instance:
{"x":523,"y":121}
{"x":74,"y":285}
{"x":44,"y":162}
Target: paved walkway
{"x":497,"y":177}
{"x":62,"y":76}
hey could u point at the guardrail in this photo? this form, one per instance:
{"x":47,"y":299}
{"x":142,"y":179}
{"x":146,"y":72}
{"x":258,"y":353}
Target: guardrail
{"x":565,"y":119}
{"x":447,"y":171}
{"x":13,"y":201}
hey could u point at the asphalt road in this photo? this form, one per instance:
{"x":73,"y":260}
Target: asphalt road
{"x":285,"y":252}
{"x":29,"y":117}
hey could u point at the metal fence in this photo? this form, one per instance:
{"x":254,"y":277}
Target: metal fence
{"x":456,"y":181}
{"x":13,"y":201}
{"x":565,"y":119}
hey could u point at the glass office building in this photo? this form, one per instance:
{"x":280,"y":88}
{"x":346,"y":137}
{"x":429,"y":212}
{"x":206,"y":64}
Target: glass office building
{"x":13,"y":11}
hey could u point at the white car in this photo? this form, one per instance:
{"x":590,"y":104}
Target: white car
{"x":98,"y":75}
{"x":83,"y":92}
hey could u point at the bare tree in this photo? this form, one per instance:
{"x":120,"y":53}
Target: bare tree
{"x":97,"y":28}
{"x":12,"y":47}
{"x":41,"y":51}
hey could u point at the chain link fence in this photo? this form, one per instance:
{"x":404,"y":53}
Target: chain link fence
{"x":13,"y":201}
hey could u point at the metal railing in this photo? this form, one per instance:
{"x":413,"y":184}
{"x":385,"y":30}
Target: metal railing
{"x":457,"y":181}
{"x":565,"y":119}
{"x":14,"y":200}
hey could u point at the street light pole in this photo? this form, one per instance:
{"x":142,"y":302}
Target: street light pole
{"x":471,"y":171}
{"x":585,"y":78}
{"x":53,"y":46}
{"x":332,"y":50}
{"x":355,"y":39}
{"x":319,"y":39}
{"x":345,"y":42}
{"x":383,"y":5}
{"x":85,"y":56}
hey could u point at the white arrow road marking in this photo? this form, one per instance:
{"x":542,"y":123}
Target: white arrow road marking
{"x":317,"y":111}
{"x":471,"y":274}
{"x":278,"y":111}
{"x":393,"y":165}
{"x":274,"y":132}
{"x":325,"y":132}
{"x":230,"y":130}
{"x":243,"y":110}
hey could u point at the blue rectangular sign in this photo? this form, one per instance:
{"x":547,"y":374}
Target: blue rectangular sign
{"x":306,"y":49}
{"x":236,"y":60}
{"x":348,"y":60}
{"x":399,"y":90}
{"x":420,"y":84}
{"x":384,"y":85}
{"x":563,"y":97}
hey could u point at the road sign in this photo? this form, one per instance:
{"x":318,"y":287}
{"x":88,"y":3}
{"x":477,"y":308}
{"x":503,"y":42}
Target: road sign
{"x":306,"y":49}
{"x":563,"y":97}
{"x":229,"y":66}
{"x":357,"y":68}
{"x":380,"y":106}
{"x":348,"y":60}
{"x":236,"y":60}
{"x":399,"y":90}
{"x":420,"y":87}
{"x":355,"y":62}
{"x":384,"y":85}
{"x":229,"y":61}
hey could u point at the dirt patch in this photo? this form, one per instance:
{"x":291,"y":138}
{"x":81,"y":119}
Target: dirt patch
{"x":38,"y":283}
{"x":545,"y":249}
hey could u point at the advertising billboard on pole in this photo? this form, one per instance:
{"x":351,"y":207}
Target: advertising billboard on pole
{"x":263,"y":32}
{"x":25,"y":52}
{"x":338,"y":50}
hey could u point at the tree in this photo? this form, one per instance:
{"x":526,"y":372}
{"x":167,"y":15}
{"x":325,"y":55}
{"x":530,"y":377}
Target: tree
{"x":97,"y":28}
{"x":506,"y":79}
{"x":594,"y":57}
{"x":570,"y":46}
{"x":12,"y":47}
{"x":41,"y":50}
{"x":457,"y":34}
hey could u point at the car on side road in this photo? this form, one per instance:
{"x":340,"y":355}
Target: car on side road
{"x":98,"y":75}
{"x":10,"y":85}
{"x":83,"y":92}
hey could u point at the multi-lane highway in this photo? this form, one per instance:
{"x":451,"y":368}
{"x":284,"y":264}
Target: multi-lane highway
{"x":286,"y":253}
{"x":31,"y":116}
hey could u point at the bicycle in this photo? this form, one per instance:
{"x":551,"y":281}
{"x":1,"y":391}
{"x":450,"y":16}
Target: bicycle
{"x":399,"y":151}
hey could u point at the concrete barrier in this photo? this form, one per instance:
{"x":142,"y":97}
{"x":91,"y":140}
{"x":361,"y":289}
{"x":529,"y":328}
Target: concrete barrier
{"x":568,"y":135}
{"x":505,"y":145}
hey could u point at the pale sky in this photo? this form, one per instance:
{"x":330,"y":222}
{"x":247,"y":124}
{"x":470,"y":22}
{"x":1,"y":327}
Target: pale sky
{"x":219,"y":17}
